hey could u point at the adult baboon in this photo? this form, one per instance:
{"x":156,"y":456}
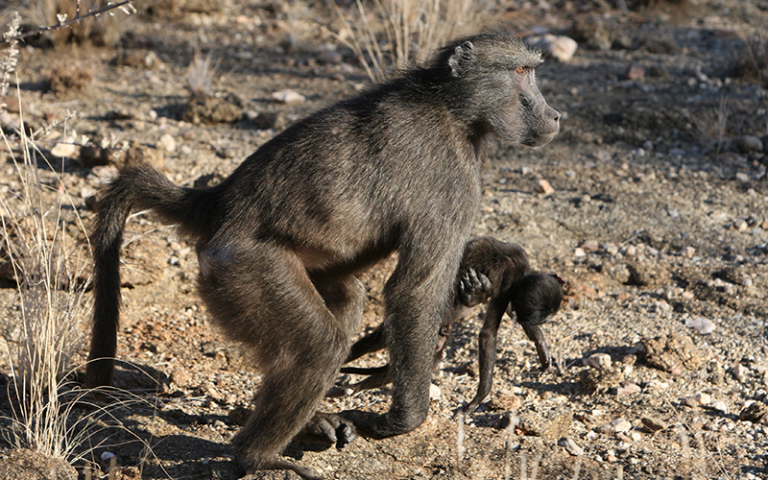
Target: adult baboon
{"x":490,"y":270}
{"x":280,"y":241}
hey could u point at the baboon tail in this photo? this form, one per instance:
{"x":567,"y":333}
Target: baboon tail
{"x":137,"y":187}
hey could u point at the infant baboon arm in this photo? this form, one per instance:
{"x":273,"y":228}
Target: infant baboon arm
{"x":487,"y":349}
{"x":535,"y":334}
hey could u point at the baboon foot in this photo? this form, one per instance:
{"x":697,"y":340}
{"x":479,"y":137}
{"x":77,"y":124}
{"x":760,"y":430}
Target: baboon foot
{"x":328,"y":428}
{"x":378,"y":426}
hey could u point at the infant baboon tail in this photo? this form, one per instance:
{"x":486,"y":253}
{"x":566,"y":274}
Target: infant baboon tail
{"x":137,"y":187}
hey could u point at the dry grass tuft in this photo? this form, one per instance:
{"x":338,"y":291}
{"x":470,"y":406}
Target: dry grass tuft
{"x":201,"y":72}
{"x":394,"y":34}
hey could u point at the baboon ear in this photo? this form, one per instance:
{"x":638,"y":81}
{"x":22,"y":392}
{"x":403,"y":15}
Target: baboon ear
{"x":459,"y":54}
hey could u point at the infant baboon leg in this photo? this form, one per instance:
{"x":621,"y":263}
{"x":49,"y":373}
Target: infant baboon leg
{"x":487,"y":349}
{"x":537,"y":337}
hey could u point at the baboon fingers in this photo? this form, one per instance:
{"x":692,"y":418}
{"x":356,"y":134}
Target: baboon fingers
{"x":473,"y":288}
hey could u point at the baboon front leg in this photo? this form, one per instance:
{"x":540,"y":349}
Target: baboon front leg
{"x":416,"y":305}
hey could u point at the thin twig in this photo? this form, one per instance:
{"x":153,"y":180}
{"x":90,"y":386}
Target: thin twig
{"x":129,"y":8}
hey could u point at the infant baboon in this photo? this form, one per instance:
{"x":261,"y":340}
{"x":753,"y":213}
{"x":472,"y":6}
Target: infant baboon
{"x":490,"y":270}
{"x":281,"y":240}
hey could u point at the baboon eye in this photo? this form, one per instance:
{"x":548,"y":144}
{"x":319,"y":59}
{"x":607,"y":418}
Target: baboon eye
{"x":522,"y":70}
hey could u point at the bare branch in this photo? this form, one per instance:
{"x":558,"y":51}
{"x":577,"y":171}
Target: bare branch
{"x":125,"y":5}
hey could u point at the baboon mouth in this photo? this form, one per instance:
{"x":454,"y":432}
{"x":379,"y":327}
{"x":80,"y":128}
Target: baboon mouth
{"x":540,"y":140}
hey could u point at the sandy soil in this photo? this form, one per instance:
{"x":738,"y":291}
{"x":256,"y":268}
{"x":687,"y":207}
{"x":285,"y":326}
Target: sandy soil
{"x":658,"y":218}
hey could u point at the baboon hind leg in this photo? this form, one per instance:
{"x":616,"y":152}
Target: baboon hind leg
{"x":344,"y":298}
{"x":264,"y":298}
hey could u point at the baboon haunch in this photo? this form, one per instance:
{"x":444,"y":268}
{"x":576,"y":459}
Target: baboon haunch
{"x":281,"y":240}
{"x":493,"y":271}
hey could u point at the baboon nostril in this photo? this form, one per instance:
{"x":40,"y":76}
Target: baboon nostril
{"x":557,"y":117}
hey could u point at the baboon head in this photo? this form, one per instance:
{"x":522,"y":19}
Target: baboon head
{"x":494,"y":87}
{"x":536,"y":298}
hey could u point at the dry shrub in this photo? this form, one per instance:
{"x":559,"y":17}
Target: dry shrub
{"x":395,"y":34}
{"x":69,"y":78}
{"x":753,"y":61}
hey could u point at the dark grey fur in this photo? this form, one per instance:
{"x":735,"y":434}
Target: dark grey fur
{"x":281,"y":240}
{"x":493,"y":271}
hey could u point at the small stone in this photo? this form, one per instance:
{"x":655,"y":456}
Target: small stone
{"x":180,"y":377}
{"x":720,"y":406}
{"x":688,"y":252}
{"x":610,"y":248}
{"x":653,"y":424}
{"x":167,"y":143}
{"x":617,"y":426}
{"x":628,"y":389}
{"x":266,"y":120}
{"x":590,"y":246}
{"x":579,"y":253}
{"x":599,"y":360}
{"x":741,"y":225}
{"x":107,"y":456}
{"x":434,"y":392}
{"x":288,"y":97}
{"x":635,"y":72}
{"x":543,"y":187}
{"x":570,"y":446}
{"x":740,"y":372}
{"x":703,"y":399}
{"x":756,"y":412}
{"x":749,"y":144}
{"x":560,"y":48}
{"x":67,"y":150}
{"x":742,"y":177}
{"x":507,"y":401}
{"x":702,"y":325}
{"x":690,"y":402}
{"x":330,"y":56}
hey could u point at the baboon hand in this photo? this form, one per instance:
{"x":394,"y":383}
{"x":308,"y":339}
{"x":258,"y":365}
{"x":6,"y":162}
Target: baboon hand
{"x":474,"y":287}
{"x":328,"y":428}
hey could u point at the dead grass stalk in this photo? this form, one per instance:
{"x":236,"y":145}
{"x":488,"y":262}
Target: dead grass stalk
{"x":396,"y":34}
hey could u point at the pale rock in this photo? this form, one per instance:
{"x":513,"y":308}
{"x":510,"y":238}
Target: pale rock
{"x":543,"y":187}
{"x":434,"y":392}
{"x":62,"y":150}
{"x":619,"y":425}
{"x":702,"y":325}
{"x":720,"y":406}
{"x":570,"y":446}
{"x":599,"y":360}
{"x":560,"y":48}
{"x":628,"y":389}
{"x":288,"y":97}
{"x":167,"y":143}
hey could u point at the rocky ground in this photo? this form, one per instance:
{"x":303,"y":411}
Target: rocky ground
{"x":652,"y":203}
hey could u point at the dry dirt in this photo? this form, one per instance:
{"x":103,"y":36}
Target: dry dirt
{"x":658,"y":219}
